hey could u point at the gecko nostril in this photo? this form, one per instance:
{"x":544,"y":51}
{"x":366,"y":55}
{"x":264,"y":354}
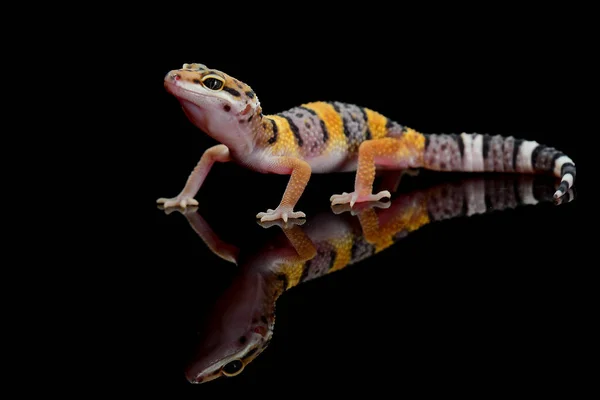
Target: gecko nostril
{"x":175,"y":77}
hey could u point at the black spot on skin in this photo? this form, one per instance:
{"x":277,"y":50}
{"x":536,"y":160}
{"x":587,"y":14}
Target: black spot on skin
{"x":333,"y":256}
{"x":461,"y":145}
{"x":335,"y":107}
{"x":456,"y":139}
{"x":518,"y":143}
{"x":325,"y":132}
{"x":310,"y":111}
{"x":535,"y":153}
{"x":443,"y":165}
{"x":250,"y":94}
{"x":346,"y":129}
{"x":196,"y":81}
{"x":556,"y":156}
{"x":515,"y":191}
{"x":250,"y":118}
{"x":389,"y":124}
{"x":486,"y":145}
{"x":264,"y":319}
{"x":273,"y":139}
{"x":241,"y":121}
{"x":305,"y":269}
{"x":366,"y":118}
{"x":465,"y":207}
{"x":242,"y":339}
{"x":231,"y":91}
{"x":295,"y":130}
{"x":444,"y":146}
{"x":563,"y":187}
{"x":227,"y":107}
{"x":251,"y":352}
{"x":307,"y":125}
{"x":488,"y":201}
{"x":283,"y":278}
{"x":299,"y":115}
{"x":568,"y":168}
{"x":427,"y":141}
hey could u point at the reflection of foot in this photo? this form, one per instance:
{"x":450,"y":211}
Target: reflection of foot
{"x":359,"y":207}
{"x":283,"y":225}
{"x":284,"y":213}
{"x":185,"y":211}
{"x":356,"y":198}
{"x":179,"y":201}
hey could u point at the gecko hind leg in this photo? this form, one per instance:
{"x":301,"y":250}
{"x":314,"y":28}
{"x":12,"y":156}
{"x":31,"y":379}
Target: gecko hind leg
{"x":388,"y":152}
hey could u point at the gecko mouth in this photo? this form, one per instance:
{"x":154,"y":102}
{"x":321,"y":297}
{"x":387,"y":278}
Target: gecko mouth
{"x":179,"y":92}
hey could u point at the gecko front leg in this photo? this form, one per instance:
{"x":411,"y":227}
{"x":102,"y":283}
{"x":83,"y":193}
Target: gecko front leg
{"x":218,"y":153}
{"x":300,"y":174}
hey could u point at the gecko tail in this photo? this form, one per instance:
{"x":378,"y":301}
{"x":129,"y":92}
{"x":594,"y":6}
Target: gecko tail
{"x":486,"y":153}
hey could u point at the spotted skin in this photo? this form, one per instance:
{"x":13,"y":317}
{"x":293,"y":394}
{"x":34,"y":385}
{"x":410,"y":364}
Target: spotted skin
{"x":333,"y":136}
{"x":308,"y":129}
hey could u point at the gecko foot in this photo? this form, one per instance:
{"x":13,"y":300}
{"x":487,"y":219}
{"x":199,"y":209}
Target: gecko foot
{"x":283,"y":225}
{"x":355,"y":197}
{"x":283,"y":213}
{"x":183,"y":211}
{"x":360,"y":207}
{"x":179,"y":201}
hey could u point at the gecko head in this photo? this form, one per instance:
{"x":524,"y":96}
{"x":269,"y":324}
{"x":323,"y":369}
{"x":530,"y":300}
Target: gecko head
{"x":215,"y":102}
{"x":226,"y":356}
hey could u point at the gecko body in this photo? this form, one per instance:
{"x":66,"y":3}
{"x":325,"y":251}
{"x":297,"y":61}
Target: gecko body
{"x":333,"y":136}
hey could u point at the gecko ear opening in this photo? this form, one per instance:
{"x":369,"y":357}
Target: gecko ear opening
{"x":247,"y":109}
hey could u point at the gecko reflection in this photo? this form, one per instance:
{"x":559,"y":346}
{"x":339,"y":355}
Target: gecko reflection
{"x":242,"y":322}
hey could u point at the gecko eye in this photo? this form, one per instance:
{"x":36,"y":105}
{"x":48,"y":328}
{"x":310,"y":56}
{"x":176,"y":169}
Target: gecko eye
{"x":213,"y":82}
{"x":233,"y":368}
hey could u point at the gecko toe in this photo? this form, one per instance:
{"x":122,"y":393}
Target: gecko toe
{"x":179,"y":201}
{"x":353,"y":198}
{"x":282,"y":213}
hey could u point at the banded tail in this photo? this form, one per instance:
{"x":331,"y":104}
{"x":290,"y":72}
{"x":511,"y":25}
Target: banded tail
{"x":485,"y":153}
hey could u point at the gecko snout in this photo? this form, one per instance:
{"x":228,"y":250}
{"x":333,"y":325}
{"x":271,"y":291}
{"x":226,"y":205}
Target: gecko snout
{"x":172,"y":76}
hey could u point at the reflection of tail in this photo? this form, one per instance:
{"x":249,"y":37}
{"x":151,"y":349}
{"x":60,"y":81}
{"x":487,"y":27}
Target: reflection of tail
{"x":486,"y":153}
{"x":479,"y":196}
{"x":474,"y":195}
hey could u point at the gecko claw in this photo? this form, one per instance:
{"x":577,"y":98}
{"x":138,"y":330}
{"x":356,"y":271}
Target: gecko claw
{"x":283,"y":213}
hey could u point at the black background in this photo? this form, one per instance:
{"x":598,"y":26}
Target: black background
{"x":493,"y":299}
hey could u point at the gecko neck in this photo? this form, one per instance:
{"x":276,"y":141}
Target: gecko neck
{"x":249,"y":135}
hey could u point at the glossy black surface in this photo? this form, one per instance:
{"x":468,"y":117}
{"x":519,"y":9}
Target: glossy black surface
{"x":468,"y":293}
{"x":496,"y":298}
